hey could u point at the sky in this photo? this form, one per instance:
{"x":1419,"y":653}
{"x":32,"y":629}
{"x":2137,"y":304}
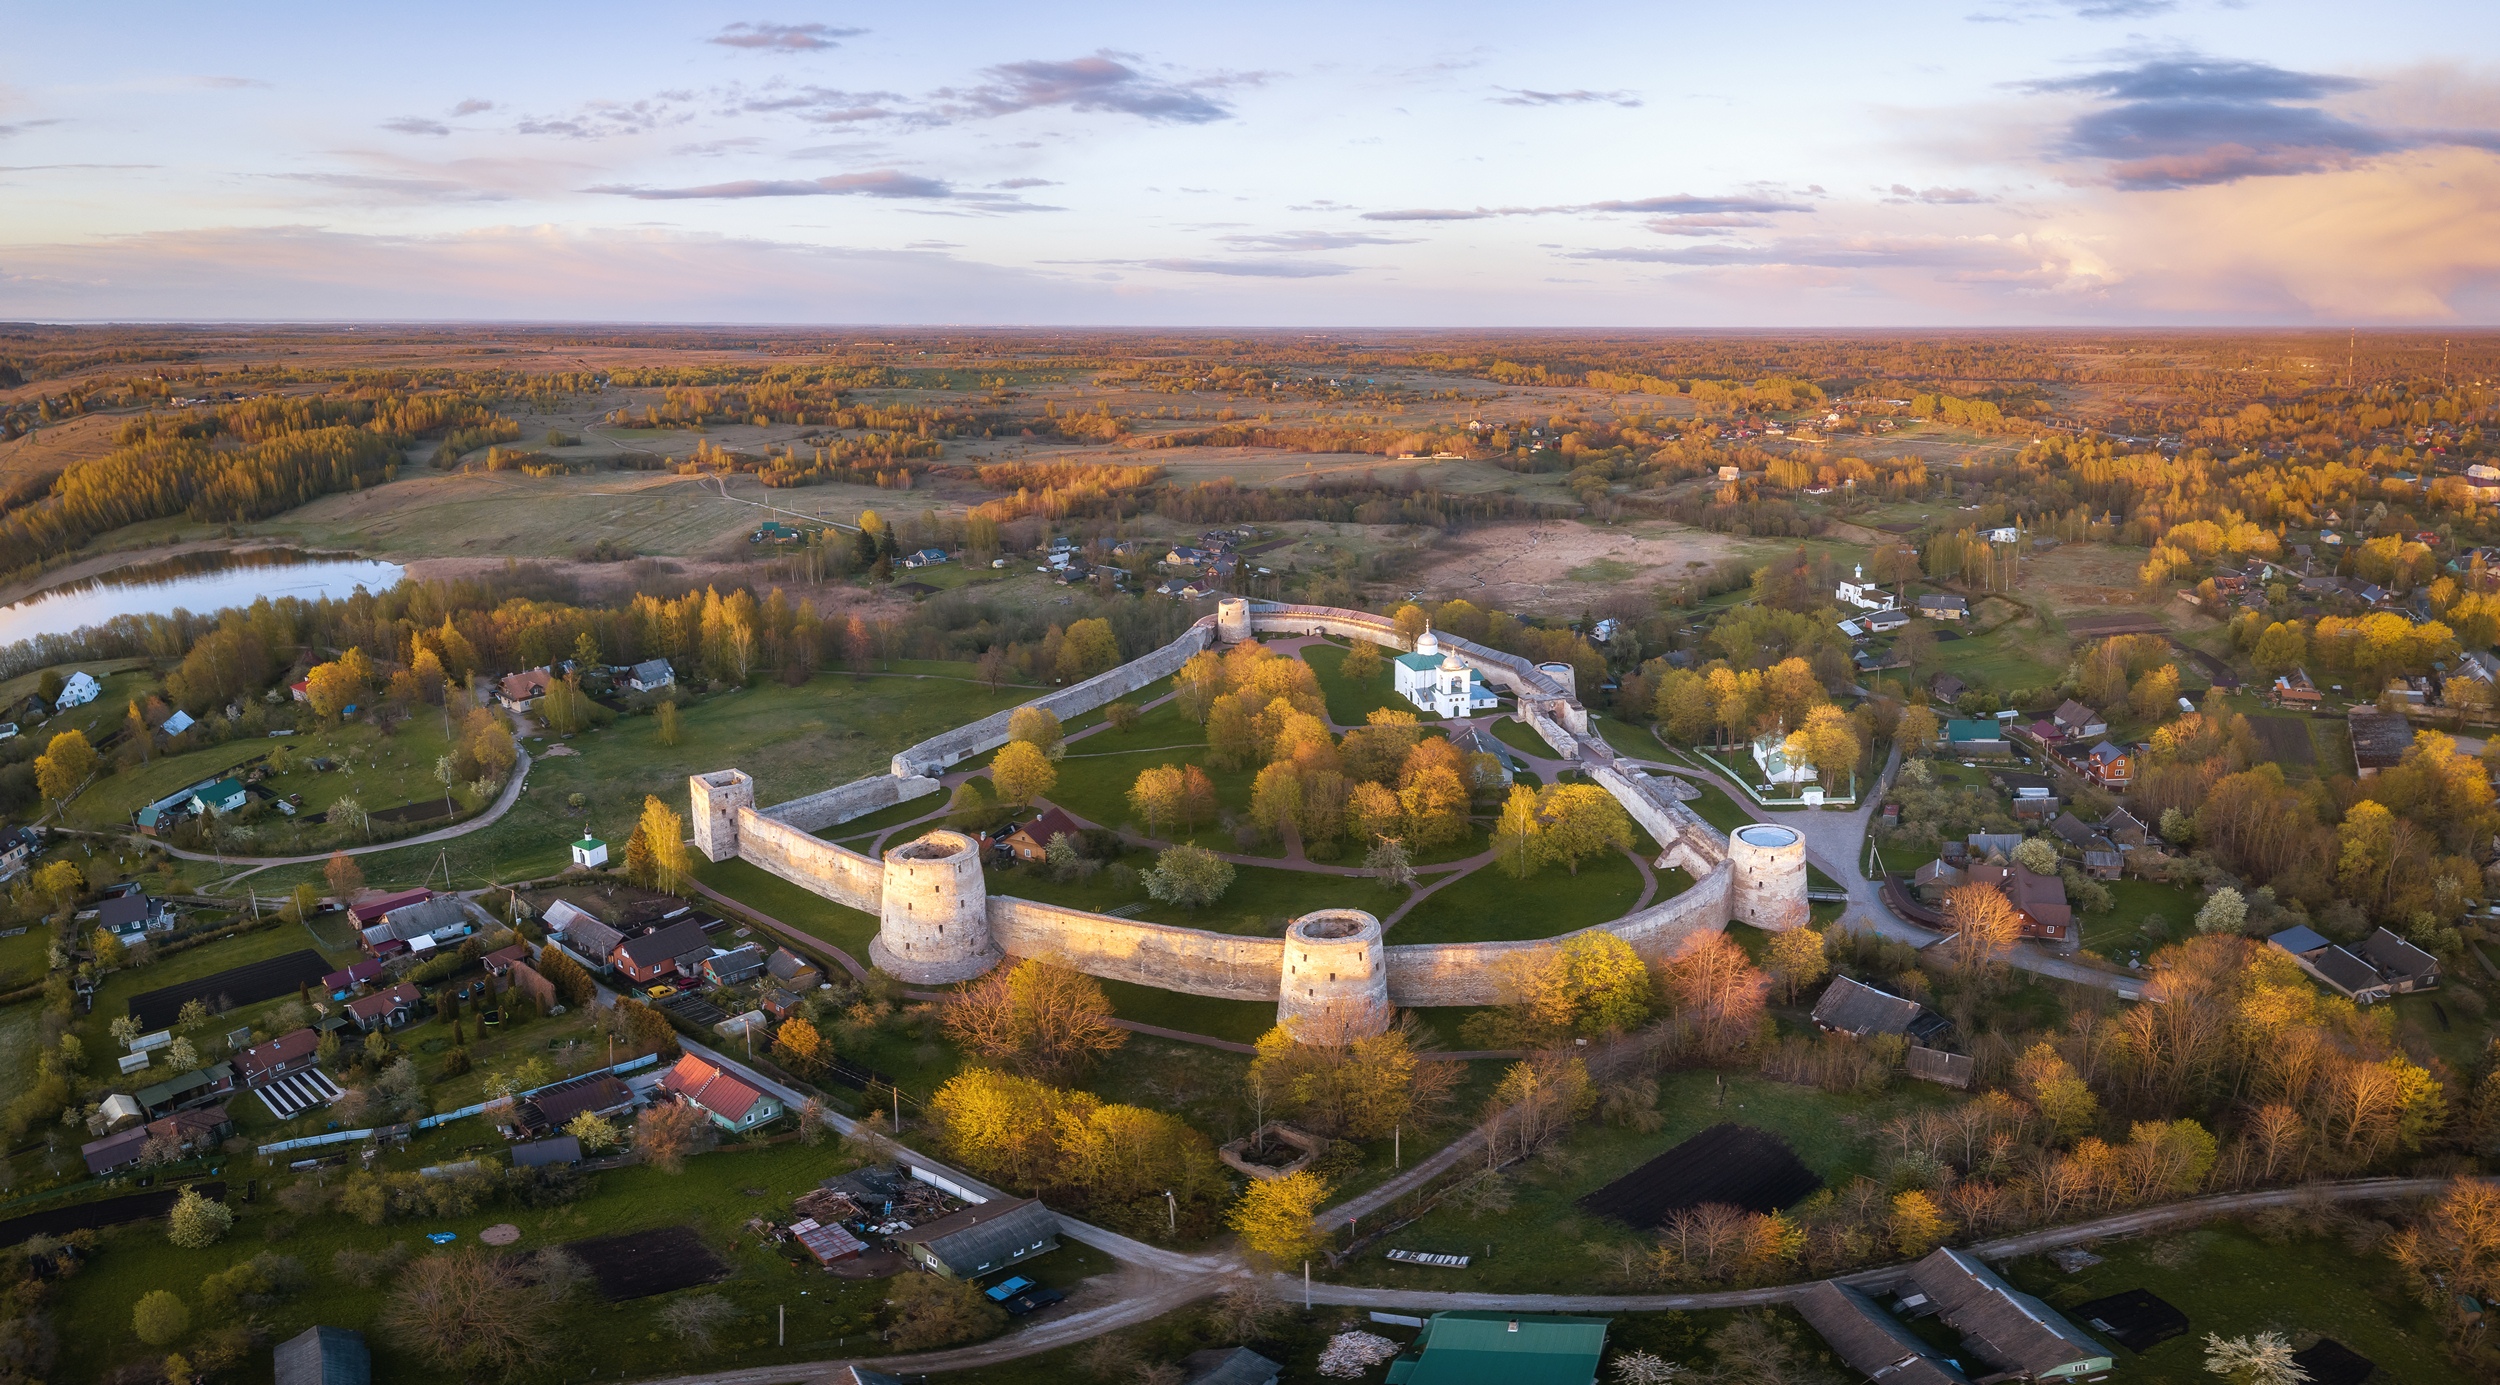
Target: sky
{"x":1971,"y":164}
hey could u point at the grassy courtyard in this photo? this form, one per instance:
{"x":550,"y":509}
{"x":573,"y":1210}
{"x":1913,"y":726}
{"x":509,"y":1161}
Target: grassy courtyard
{"x":1490,"y":905}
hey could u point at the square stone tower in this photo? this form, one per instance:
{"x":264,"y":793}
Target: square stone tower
{"x":716,"y":799}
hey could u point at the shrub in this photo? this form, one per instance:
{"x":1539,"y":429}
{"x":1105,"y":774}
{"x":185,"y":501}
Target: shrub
{"x":160,"y":1318}
{"x":197,"y":1223}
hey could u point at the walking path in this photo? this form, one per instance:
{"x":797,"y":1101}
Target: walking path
{"x":503,"y":804}
{"x":1183,"y":1279}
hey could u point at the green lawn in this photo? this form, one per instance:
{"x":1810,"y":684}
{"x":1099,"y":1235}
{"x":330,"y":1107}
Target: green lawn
{"x":859,"y":831}
{"x":1716,"y":808}
{"x":2231,"y":1282}
{"x":112,"y":1000}
{"x":1262,"y":900}
{"x":1349,"y":703}
{"x":2120,"y":931}
{"x":1544,"y":1240}
{"x":2006,"y":658}
{"x":811,"y":913}
{"x":795,"y":741}
{"x":1242,"y":1021}
{"x":717,"y":1195}
{"x":1627,"y":738}
{"x":23,"y":958}
{"x":1491,"y":906}
{"x":1519,"y":736}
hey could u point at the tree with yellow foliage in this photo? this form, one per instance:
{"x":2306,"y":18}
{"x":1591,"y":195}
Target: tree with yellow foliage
{"x":1582,"y":821}
{"x":1917,"y":1224}
{"x":342,"y":683}
{"x":1274,"y":1215}
{"x":1022,"y":773}
{"x":1518,"y":839}
{"x":64,"y":765}
{"x":664,"y":838}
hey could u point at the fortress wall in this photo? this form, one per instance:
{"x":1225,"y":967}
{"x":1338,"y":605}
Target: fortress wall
{"x":811,"y":863}
{"x":1472,"y":973}
{"x":859,"y":798}
{"x":1564,"y":743}
{"x":1187,"y":960}
{"x":1669,"y":821}
{"x":1513,"y":673}
{"x":935,"y":754}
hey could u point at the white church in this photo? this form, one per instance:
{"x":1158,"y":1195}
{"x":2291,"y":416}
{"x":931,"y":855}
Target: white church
{"x":1439,"y":684}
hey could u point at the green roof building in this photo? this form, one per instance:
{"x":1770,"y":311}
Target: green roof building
{"x":1503,"y":1349}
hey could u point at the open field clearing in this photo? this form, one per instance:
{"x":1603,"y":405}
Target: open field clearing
{"x":1564,"y":565}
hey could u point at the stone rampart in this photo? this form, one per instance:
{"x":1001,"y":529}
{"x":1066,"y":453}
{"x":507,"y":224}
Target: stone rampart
{"x":859,"y":798}
{"x":1689,"y":842}
{"x":1188,"y":960}
{"x":1516,"y":675}
{"x":1474,"y":973}
{"x":811,"y":863}
{"x":934,"y":755}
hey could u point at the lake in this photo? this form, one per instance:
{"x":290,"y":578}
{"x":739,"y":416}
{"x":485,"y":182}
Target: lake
{"x":196,"y":582}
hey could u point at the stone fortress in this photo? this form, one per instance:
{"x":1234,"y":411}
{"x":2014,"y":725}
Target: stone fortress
{"x":1332,"y":971}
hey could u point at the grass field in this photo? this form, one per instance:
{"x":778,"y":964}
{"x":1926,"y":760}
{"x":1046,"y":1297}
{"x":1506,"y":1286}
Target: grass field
{"x":1262,"y":900}
{"x":2229,"y":1281}
{"x":1348,"y":702}
{"x":793,"y":740}
{"x":716,"y":1196}
{"x":112,"y":999}
{"x":2119,"y":932}
{"x":1544,"y":1240}
{"x":811,"y":913}
{"x":1491,"y":906}
{"x":1626,"y":737}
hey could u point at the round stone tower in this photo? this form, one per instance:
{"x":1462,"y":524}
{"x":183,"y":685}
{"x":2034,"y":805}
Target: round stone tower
{"x":1336,"y":981}
{"x":1565,"y":677}
{"x":1770,"y":876}
{"x":1232,"y":620}
{"x":934,"y":921}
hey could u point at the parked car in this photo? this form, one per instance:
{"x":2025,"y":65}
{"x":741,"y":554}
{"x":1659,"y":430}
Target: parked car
{"x":661,"y":992}
{"x":1019,"y":1296}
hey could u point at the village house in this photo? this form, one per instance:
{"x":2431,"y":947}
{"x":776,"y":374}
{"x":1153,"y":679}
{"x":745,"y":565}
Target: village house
{"x":2076,"y":722}
{"x":2377,"y":968}
{"x":324,"y":1356}
{"x":183,"y":1133}
{"x":385,"y":1009}
{"x":2040,"y":899}
{"x":2109,"y":767}
{"x":419,"y":927}
{"x":499,"y":962}
{"x":132,"y":917}
{"x":218,"y":796}
{"x":1946,"y":688}
{"x":1030,"y":841}
{"x":519,"y":692}
{"x":1871,"y":1341}
{"x":78,"y":690}
{"x":550,"y":1109}
{"x":184,"y":1090}
{"x":1952,"y":608}
{"x":2101,"y":858}
{"x":982,"y":1239}
{"x":1976,"y":737}
{"x":732,"y":1105}
{"x":1861,"y":1011}
{"x":676,"y":950}
{"x":2294,"y":690}
{"x":650,"y":675}
{"x":369,"y":910}
{"x":262,"y":1064}
{"x":2125,"y":829}
{"x":18,"y":848}
{"x":924,"y":557}
{"x":1885,"y":621}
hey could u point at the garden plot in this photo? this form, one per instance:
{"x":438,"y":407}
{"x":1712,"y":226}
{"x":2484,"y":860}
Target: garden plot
{"x":2135,"y":1319}
{"x":643,"y":1263}
{"x":60,"y":1221}
{"x":1737,"y":1165}
{"x":223,"y":991}
{"x":297,"y":1092}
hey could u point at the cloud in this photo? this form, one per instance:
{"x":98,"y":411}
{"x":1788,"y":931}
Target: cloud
{"x":1679,"y":203}
{"x":234,"y":83}
{"x":1704,"y":224}
{"x":882,"y":182}
{"x":2189,"y":121}
{"x":374,"y":187}
{"x":821,"y":105}
{"x":1026,"y":183}
{"x":416,"y":125}
{"x":1252,"y":269}
{"x":1096,"y":84}
{"x":1941,"y":197}
{"x":1313,"y":240}
{"x":2120,"y":9}
{"x":472,"y":106}
{"x":1512,"y":97}
{"x":516,"y":273}
{"x":783,"y":38}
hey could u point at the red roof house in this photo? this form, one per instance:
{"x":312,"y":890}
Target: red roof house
{"x":262,"y":1064}
{"x":385,"y":1009}
{"x":369,"y":910}
{"x":732,"y":1104}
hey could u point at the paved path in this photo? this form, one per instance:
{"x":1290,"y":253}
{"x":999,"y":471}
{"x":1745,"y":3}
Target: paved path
{"x":503,"y":804}
{"x":1836,"y":843}
{"x":1182,"y":1279}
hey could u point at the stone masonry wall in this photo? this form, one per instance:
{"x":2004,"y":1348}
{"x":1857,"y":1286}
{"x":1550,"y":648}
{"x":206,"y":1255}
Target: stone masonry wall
{"x":1472,"y":973}
{"x":933,"y":755}
{"x":860,"y":797}
{"x":811,"y":863}
{"x":1187,"y":960}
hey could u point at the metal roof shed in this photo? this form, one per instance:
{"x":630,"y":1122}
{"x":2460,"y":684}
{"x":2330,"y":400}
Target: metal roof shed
{"x":1496,"y":1348}
{"x":1871,"y":1341}
{"x":324,"y":1356}
{"x":982,"y":1239}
